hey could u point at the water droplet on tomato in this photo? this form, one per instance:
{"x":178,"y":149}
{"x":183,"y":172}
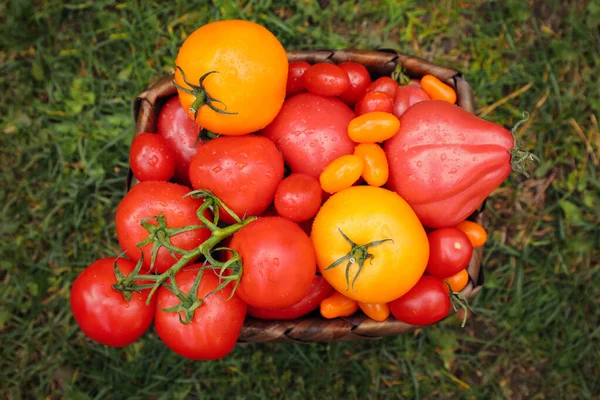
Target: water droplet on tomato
{"x":217,"y":169}
{"x":419,"y":164}
{"x":276,"y":262}
{"x":153,"y":160}
{"x":443,"y":157}
{"x":240,"y":165}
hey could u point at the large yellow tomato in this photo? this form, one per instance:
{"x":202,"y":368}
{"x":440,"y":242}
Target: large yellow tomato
{"x":231,"y":76}
{"x":370,"y":245}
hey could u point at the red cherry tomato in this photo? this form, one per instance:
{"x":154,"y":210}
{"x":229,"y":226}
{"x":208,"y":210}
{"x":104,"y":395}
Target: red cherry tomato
{"x":181,"y":133}
{"x":149,"y":199}
{"x":151,"y":158}
{"x":298,"y":197}
{"x":279,"y":263}
{"x":406,"y":96}
{"x":360,"y":79}
{"x":374,"y":101}
{"x":216,"y":325}
{"x":426,"y":303}
{"x":326,"y":79}
{"x":242,"y":171}
{"x":319,"y":291}
{"x":295,"y":80}
{"x":311,"y":131}
{"x":450,"y":251}
{"x":102,"y":312}
{"x":384,"y":84}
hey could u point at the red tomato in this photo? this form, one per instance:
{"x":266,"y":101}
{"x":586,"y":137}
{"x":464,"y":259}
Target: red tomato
{"x":450,"y":251}
{"x":149,"y":199}
{"x":406,"y":96}
{"x":445,"y":161}
{"x":384,"y":84}
{"x":318,"y":292}
{"x":101,"y":312}
{"x":426,"y":303}
{"x":279,"y":262}
{"x":360,"y":79}
{"x":151,"y":158}
{"x":242,"y":171}
{"x":181,"y":132}
{"x":374,"y":101}
{"x":326,"y":79}
{"x":298,"y":197}
{"x":311,"y":131}
{"x":216,"y":325}
{"x":295,"y":80}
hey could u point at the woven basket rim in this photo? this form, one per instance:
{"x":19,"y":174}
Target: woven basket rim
{"x":314,"y":328}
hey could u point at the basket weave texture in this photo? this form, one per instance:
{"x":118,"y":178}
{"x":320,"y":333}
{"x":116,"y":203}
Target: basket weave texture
{"x":313,"y":327}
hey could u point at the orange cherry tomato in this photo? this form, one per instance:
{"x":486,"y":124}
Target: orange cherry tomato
{"x":437,"y":89}
{"x":341,"y":173}
{"x":338,"y":305}
{"x":231,"y":76}
{"x":373,"y":127}
{"x":378,"y":312}
{"x":376,"y":169}
{"x":475,"y":232}
{"x":458,"y":281}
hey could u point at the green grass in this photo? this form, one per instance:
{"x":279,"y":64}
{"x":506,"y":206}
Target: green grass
{"x":68,"y":74}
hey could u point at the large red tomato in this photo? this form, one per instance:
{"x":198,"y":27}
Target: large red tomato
{"x":103,"y":313}
{"x":181,"y":133}
{"x":278,"y":260}
{"x":311,"y":131}
{"x":216,"y":325}
{"x":149,"y":199}
{"x":242,"y":171}
{"x":444,"y":161}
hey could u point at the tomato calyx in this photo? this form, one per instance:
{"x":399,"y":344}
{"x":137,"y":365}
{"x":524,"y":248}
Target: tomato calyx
{"x":189,"y":302}
{"x":459,"y":302}
{"x":518,"y":156}
{"x":201,"y":96}
{"x":400,"y":76}
{"x":127,"y":284}
{"x":358,"y":254}
{"x":233,"y":267}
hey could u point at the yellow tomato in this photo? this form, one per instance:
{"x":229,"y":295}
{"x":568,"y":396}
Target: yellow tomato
{"x":370,"y":245}
{"x":373,"y":127}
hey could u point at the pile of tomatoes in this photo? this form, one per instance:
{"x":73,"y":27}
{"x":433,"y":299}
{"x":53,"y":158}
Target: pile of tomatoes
{"x":276,"y":189}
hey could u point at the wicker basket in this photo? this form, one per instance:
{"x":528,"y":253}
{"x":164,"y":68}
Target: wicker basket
{"x":314,"y":328}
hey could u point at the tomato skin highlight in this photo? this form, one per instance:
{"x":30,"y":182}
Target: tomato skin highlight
{"x":458,"y":281}
{"x":326,"y":80}
{"x":311,"y":131}
{"x":151,"y":158}
{"x":102,"y":312}
{"x":341,"y":173}
{"x":359,"y":78}
{"x":278,"y":260}
{"x":376,"y":169}
{"x":445,"y":161}
{"x":406,"y":96}
{"x":337,"y":305}
{"x":377,"y":312}
{"x":373,"y":127}
{"x":251,"y":74}
{"x":437,"y":89}
{"x":384,"y":84}
{"x":449,"y":252}
{"x":374,"y":101}
{"x":426,"y":303}
{"x":476,"y":233}
{"x":319,"y":291}
{"x":149,"y":199}
{"x":242,"y":171}
{"x":295,"y":80}
{"x":181,"y":134}
{"x":216,"y":325}
{"x":366,"y":214}
{"x":298,"y":197}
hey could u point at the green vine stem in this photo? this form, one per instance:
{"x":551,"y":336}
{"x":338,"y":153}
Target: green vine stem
{"x":459,"y":301}
{"x":201,"y":96}
{"x":358,"y":254}
{"x":518,"y":156}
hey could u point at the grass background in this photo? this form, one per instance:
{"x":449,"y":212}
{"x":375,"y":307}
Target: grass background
{"x":68,"y":73}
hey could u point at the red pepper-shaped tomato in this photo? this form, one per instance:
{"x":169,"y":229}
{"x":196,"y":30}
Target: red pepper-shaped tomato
{"x":445,"y":161}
